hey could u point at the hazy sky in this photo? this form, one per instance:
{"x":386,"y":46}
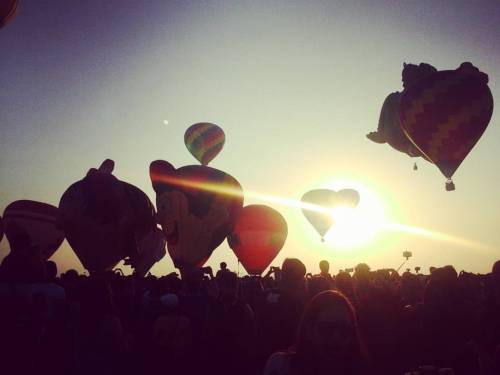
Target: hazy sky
{"x":295,"y":85}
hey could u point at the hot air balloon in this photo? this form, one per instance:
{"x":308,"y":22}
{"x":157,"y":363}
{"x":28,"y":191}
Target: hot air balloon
{"x":204,"y":141}
{"x":8,"y":9}
{"x":389,"y":124}
{"x":106,"y":220}
{"x":197,"y":207}
{"x":258,"y":236}
{"x":445,"y":114}
{"x":326,"y":200}
{"x":32,"y":224}
{"x":323,"y":198}
{"x":150,"y":249}
{"x":348,"y":197}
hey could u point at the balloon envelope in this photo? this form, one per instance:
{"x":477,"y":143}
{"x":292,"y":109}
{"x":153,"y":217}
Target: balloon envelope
{"x":197,"y":207}
{"x":390,"y":120}
{"x":8,"y":9}
{"x":258,"y":236}
{"x":104,"y":219}
{"x":445,"y":114}
{"x":36,"y":222}
{"x":324,"y":198}
{"x":204,"y":141}
{"x":348,"y":197}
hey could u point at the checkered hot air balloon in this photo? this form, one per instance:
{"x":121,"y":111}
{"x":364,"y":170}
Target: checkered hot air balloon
{"x":204,"y":141}
{"x":8,"y":9}
{"x":445,"y":114}
{"x":258,"y":236}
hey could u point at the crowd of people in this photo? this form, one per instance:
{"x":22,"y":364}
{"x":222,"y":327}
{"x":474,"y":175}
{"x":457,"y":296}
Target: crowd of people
{"x":285,"y":322}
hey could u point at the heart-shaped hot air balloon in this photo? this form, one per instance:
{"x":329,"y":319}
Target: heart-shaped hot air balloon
{"x":258,"y":236}
{"x":8,"y":9}
{"x":204,"y":141}
{"x":197,"y":207}
{"x":445,"y":114}
{"x":106,"y":219}
{"x":323,"y":201}
{"x":33,"y":224}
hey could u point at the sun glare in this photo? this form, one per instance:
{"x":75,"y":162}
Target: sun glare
{"x":356,"y":226}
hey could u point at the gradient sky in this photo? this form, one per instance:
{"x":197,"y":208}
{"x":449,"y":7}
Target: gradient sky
{"x":295,"y":85}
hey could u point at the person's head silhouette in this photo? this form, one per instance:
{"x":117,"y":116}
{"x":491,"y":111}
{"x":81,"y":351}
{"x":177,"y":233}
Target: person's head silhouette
{"x":324,"y":266}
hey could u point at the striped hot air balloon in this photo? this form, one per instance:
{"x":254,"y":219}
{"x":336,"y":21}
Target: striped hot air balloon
{"x":445,"y":114}
{"x":204,"y":141}
{"x":8,"y":9}
{"x":34,"y":224}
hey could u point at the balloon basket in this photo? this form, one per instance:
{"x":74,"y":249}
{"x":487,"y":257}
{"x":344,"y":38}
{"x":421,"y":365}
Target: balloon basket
{"x":450,"y":186}
{"x":322,"y":239}
{"x":415,"y":167}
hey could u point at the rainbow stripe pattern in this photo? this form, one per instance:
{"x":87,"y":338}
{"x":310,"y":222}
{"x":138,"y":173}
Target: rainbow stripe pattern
{"x":204,"y":141}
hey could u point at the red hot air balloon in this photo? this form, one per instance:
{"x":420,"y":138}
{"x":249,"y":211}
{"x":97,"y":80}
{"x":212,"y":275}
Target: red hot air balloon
{"x":197,"y":207}
{"x":8,"y":9}
{"x":258,"y":236}
{"x":445,"y":114}
{"x":204,"y":141}
{"x":34,"y":224}
{"x":106,"y":220}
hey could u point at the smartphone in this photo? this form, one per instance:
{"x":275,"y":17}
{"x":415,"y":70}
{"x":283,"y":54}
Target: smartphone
{"x":407,"y":254}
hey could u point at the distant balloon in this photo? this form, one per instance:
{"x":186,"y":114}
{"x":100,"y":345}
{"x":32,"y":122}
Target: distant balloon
{"x":327,"y":199}
{"x":204,"y":141}
{"x":321,"y":221}
{"x":258,"y":236}
{"x":446,"y":113}
{"x":33,"y":224}
{"x":348,"y":197}
{"x":106,"y":220}
{"x":8,"y":10}
{"x":197,"y":208}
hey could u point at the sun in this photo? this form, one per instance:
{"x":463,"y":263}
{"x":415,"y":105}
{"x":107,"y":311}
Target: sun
{"x":357,"y":226}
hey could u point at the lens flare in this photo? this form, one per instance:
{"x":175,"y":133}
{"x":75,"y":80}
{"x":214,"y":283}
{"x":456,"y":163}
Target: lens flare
{"x":353,"y":226}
